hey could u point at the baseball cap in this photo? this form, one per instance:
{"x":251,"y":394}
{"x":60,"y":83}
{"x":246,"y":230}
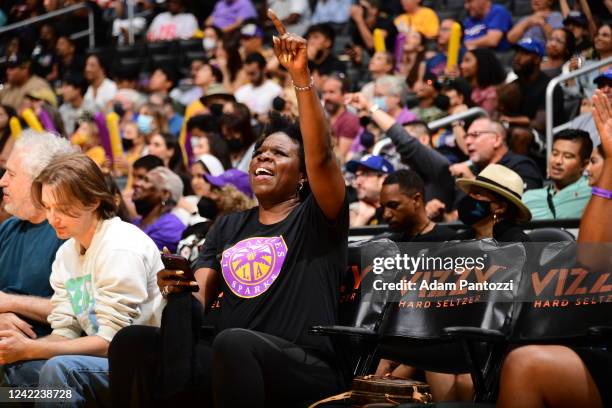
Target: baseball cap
{"x":251,"y":30}
{"x":531,"y":45}
{"x":576,"y":17}
{"x":236,"y":178}
{"x":376,"y":163}
{"x":606,"y":75}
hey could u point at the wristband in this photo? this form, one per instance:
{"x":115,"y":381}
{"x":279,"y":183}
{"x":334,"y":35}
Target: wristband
{"x":602,"y":192}
{"x":304,"y":88}
{"x":374,"y":108}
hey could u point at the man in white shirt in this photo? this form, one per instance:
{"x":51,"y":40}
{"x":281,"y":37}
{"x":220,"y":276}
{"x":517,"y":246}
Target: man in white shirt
{"x":259,"y":93}
{"x":73,"y":91}
{"x":101,"y":89}
{"x":294,"y":14}
{"x":173,"y":24}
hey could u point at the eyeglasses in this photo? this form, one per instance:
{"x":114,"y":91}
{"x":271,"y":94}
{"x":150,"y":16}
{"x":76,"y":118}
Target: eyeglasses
{"x":477,"y":134}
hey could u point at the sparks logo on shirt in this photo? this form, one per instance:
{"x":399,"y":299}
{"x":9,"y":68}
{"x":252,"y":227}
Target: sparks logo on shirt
{"x":252,"y":265}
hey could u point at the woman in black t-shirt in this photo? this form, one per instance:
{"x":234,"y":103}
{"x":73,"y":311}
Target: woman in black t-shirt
{"x":278,"y":266}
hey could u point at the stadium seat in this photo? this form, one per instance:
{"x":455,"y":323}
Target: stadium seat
{"x":550,"y":235}
{"x":130,"y":51}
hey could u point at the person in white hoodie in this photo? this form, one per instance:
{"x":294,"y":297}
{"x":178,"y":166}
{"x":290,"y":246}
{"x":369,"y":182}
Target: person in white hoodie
{"x":103,"y":277}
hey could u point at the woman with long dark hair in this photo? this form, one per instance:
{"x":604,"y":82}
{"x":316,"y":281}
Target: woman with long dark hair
{"x":482,"y":69}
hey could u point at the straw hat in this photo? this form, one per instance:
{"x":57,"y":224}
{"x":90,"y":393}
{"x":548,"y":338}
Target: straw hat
{"x":503,"y":181}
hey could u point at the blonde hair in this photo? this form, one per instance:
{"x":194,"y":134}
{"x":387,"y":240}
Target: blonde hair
{"x":229,"y":199}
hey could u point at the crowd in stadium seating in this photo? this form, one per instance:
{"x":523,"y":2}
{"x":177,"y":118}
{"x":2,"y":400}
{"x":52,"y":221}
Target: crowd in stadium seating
{"x":203,"y":129}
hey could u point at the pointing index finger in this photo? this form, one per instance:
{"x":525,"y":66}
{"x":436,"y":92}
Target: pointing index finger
{"x":277,"y":23}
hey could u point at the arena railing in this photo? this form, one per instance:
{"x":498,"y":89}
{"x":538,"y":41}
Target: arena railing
{"x":436,"y":124}
{"x":53,"y":14}
{"x":549,"y":98}
{"x":372,"y":230}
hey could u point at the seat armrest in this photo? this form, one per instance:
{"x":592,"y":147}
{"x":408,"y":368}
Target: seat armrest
{"x":474,"y":333}
{"x":601,"y":332}
{"x":340,"y":331}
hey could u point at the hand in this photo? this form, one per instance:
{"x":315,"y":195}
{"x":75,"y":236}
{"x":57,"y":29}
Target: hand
{"x":172,"y":281}
{"x":361,"y":213}
{"x":10,"y":321}
{"x":291,"y":51}
{"x":434,"y":208}
{"x":14,"y":346}
{"x":602,"y":115}
{"x":452,"y":72}
{"x":574,"y":63}
{"x":358,"y":101}
{"x":357,"y":13}
{"x":461,"y":170}
{"x":385,"y":367}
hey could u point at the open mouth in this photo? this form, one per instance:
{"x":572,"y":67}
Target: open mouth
{"x":261,"y":173}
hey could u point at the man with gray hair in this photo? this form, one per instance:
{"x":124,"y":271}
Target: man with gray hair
{"x":486,"y":143}
{"x":155,"y":196}
{"x":27,"y":242}
{"x":390,"y":93}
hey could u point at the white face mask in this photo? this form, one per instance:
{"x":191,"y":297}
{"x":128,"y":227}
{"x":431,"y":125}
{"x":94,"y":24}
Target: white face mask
{"x":209,"y":44}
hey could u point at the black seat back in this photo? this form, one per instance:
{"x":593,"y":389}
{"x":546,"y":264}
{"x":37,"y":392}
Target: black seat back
{"x":562,"y":299}
{"x":413,"y":332}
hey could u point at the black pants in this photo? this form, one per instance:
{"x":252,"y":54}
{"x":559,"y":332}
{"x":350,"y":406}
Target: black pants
{"x":241,"y":368}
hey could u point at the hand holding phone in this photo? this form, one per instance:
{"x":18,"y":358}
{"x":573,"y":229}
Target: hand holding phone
{"x":170,"y":281}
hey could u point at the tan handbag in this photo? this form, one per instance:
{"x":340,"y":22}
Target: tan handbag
{"x":371,"y":389}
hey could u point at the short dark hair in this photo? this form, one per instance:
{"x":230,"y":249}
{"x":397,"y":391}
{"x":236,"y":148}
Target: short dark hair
{"x":148,"y":162}
{"x":345,"y":84}
{"x":577,"y":135}
{"x":76,"y":81}
{"x":257,"y":58}
{"x":170,"y":73}
{"x":205,"y":122}
{"x":323,"y":28}
{"x":408,"y":181}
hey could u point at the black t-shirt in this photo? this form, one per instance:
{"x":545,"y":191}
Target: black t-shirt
{"x":503,"y":231}
{"x":533,"y":99}
{"x":439,"y":233}
{"x":524,"y":167}
{"x":283,"y":278}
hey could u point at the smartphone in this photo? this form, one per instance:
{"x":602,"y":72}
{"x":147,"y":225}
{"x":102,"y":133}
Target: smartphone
{"x":177,"y":262}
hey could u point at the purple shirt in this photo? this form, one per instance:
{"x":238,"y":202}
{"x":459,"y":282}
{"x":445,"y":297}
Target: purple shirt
{"x":227,"y":12}
{"x":165,"y":232}
{"x":405,"y":116}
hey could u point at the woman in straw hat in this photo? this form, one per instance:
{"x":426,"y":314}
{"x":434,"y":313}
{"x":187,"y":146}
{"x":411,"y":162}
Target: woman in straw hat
{"x":493,"y":206}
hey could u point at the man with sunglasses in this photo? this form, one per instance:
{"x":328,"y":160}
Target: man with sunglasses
{"x":486,"y":143}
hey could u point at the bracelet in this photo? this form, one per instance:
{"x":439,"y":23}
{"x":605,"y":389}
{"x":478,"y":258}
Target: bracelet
{"x":374,"y":108}
{"x":602,"y":192}
{"x":458,"y":123}
{"x":304,"y":88}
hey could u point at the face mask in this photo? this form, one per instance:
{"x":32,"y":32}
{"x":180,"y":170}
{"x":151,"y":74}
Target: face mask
{"x":381,"y":102}
{"x":235,"y":145}
{"x":209,"y":44}
{"x":145,"y":123}
{"x":471,"y":210}
{"x":127,"y":143}
{"x":144,"y":206}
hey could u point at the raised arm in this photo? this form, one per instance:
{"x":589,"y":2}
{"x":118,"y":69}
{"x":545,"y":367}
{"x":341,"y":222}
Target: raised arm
{"x":595,"y":225}
{"x":322,"y":169}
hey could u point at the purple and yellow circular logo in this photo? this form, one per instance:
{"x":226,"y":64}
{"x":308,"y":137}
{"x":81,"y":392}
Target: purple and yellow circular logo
{"x":252,"y":265}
